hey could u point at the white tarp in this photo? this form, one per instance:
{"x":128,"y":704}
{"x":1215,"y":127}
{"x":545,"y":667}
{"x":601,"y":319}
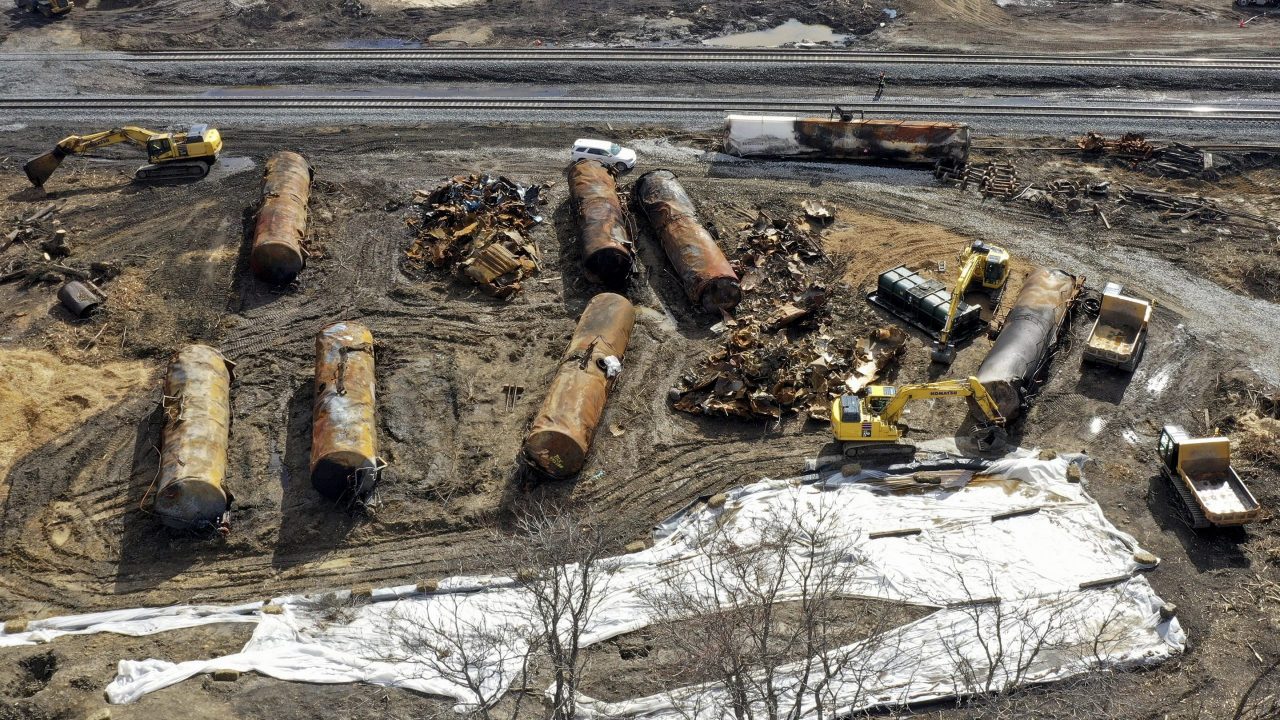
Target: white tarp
{"x":1033,"y":563}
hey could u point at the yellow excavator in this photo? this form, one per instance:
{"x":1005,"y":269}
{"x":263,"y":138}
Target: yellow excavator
{"x":170,"y":156}
{"x":866,"y":422}
{"x":980,"y":260}
{"x":47,"y":8}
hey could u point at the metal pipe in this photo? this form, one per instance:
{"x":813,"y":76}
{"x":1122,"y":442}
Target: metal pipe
{"x":708,"y":279}
{"x":277,"y":256}
{"x":344,"y":459}
{"x":79,"y":299}
{"x":1027,"y":340}
{"x":607,"y":252}
{"x":560,"y":437}
{"x":190,"y":492}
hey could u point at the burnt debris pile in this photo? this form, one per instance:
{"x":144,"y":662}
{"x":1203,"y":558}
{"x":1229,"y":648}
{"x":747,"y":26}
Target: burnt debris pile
{"x":776,"y":359}
{"x":478,"y":227}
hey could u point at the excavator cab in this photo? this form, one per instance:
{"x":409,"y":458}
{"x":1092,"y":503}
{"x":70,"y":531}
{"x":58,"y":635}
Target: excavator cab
{"x":159,"y":149}
{"x":856,"y":416}
{"x":995,"y":268}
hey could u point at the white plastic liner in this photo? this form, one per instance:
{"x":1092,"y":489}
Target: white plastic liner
{"x":1033,"y":563}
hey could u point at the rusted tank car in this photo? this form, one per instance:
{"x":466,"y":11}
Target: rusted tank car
{"x":277,"y":255}
{"x":560,"y":438}
{"x":190,"y":490}
{"x":708,"y":279}
{"x":344,"y":459}
{"x":901,"y":141}
{"x":1028,"y":339}
{"x":607,"y":253}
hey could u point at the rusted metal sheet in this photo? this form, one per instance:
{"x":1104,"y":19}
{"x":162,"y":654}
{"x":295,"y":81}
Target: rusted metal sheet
{"x":708,"y":279}
{"x":277,"y":256}
{"x":560,"y":437}
{"x":904,"y":141}
{"x":1028,"y":338}
{"x":190,"y":491}
{"x":607,"y":252}
{"x":344,"y":458}
{"x":79,"y":299}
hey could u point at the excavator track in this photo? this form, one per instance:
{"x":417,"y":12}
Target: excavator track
{"x":173,"y":171}
{"x":879,"y":453}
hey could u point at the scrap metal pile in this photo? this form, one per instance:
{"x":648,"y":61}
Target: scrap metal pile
{"x":776,"y":359}
{"x":1130,"y":145}
{"x":1058,"y":196}
{"x":479,"y":227}
{"x":1176,"y":160}
{"x":1184,"y":207}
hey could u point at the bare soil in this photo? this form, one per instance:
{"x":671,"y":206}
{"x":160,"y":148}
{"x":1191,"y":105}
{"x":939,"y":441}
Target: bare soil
{"x":1175,"y":27}
{"x":73,"y":536}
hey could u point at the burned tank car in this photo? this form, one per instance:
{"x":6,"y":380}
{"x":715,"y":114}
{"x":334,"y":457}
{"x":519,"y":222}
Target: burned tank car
{"x":1028,"y":338}
{"x":898,"y":141}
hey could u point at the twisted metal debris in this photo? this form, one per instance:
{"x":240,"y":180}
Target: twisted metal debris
{"x":479,"y":226}
{"x":777,"y":358}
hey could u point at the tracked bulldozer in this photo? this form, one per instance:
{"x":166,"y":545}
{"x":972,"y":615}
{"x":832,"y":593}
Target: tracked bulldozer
{"x":171,"y":156}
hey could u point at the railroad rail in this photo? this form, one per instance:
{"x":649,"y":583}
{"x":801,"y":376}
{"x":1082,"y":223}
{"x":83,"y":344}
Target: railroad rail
{"x":659,"y":55}
{"x":221,"y":102}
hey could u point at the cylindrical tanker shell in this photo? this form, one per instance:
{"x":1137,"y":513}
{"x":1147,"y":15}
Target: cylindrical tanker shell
{"x":1029,"y":334}
{"x":344,"y":458}
{"x":190,"y":491}
{"x":277,"y":256}
{"x":903,"y":141}
{"x":607,"y":252}
{"x":708,"y":279}
{"x":560,"y":438}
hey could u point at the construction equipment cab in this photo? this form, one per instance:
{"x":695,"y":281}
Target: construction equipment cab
{"x":940,"y":313}
{"x":171,"y":156}
{"x":1200,"y":471}
{"x":47,"y":8}
{"x":866,"y":422}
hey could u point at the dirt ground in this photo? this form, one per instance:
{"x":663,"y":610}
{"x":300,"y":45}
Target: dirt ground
{"x":81,"y":451}
{"x":1172,"y":26}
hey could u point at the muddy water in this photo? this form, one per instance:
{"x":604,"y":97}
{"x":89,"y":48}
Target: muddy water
{"x":791,"y":31}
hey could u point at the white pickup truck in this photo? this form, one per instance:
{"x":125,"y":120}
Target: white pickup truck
{"x":1119,"y":334}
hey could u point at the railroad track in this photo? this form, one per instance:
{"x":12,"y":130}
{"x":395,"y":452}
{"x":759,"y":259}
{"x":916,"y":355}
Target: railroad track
{"x":355,"y":103}
{"x":659,"y":55}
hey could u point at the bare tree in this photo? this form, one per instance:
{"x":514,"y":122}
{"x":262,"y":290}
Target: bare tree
{"x":766,"y":625}
{"x":453,"y":644}
{"x":563,"y":561}
{"x":560,"y":560}
{"x":1014,"y":644}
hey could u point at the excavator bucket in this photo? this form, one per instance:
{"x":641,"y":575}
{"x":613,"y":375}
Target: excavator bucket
{"x":942,"y":353}
{"x":40,"y":167}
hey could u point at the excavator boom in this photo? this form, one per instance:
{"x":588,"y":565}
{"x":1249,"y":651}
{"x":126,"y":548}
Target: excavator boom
{"x":969,"y":387}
